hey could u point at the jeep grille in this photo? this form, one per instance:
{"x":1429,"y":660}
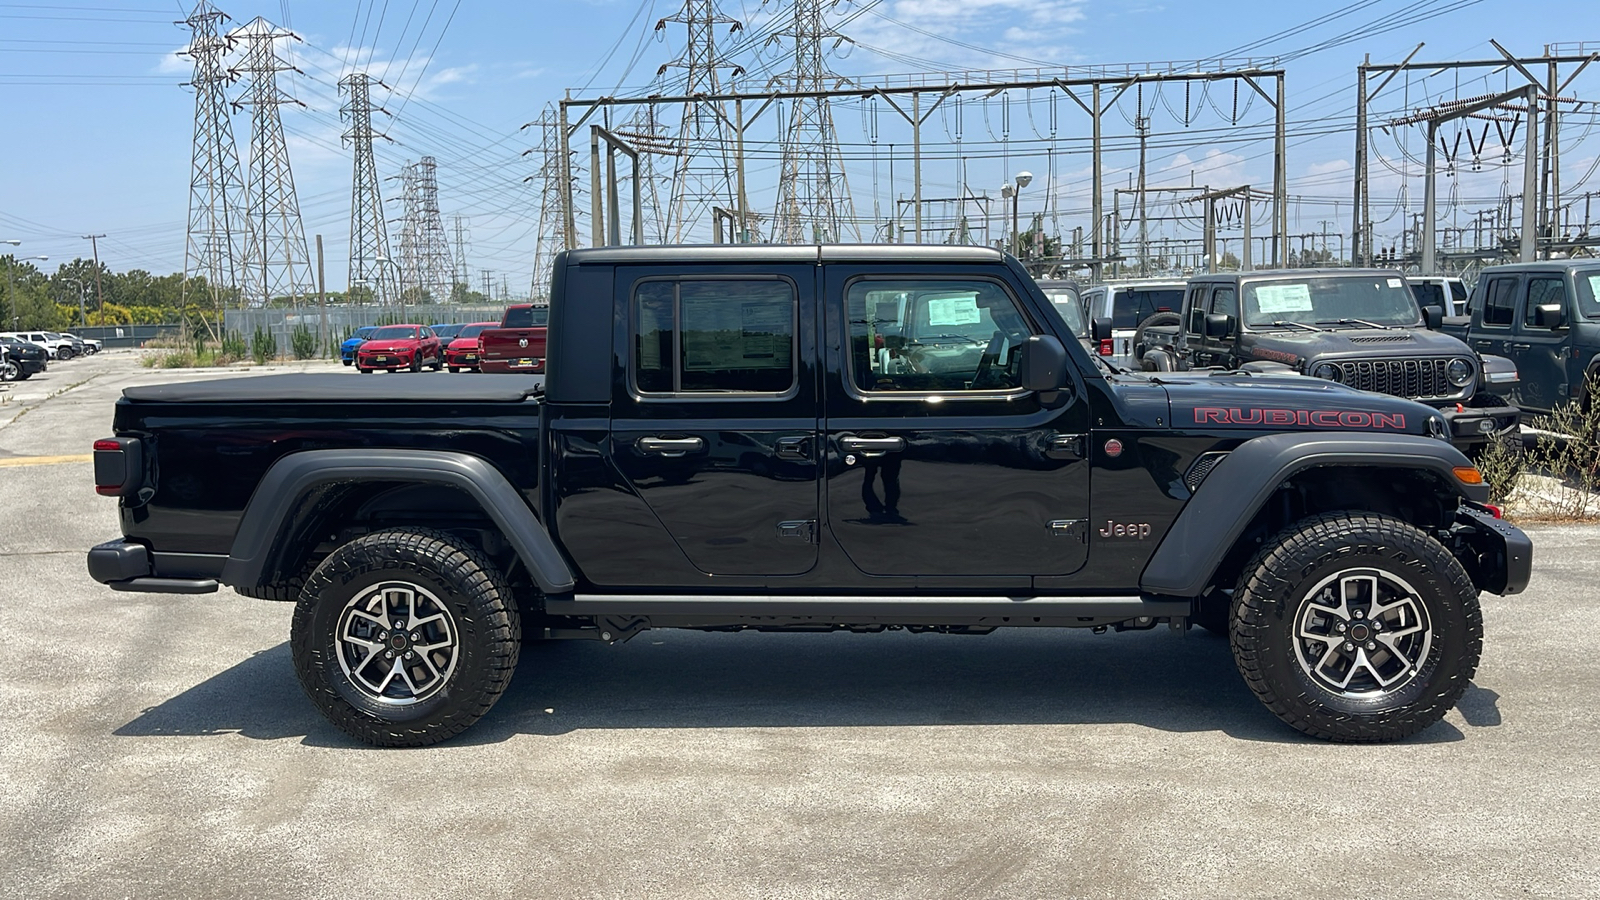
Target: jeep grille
{"x":1411,"y":378}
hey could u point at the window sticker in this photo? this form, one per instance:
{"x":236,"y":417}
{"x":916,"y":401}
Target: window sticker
{"x":1394,"y":282}
{"x":1594,"y":285}
{"x":954,"y":311}
{"x":1283,"y":298}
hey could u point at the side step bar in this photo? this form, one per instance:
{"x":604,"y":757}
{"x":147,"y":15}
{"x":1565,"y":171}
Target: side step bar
{"x":908,"y":609}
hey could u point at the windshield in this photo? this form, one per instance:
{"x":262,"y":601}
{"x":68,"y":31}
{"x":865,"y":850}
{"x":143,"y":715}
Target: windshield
{"x":364,"y":332}
{"x":1378,"y":299}
{"x":445,"y":332}
{"x":475,"y":329}
{"x":394,"y":333}
{"x":527,"y":316}
{"x":1588,"y":281}
{"x":1066,"y":303}
{"x":1130,"y":306}
{"x":51,"y":336}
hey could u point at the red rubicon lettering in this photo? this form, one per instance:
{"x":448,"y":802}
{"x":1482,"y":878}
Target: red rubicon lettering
{"x":1313,"y":418}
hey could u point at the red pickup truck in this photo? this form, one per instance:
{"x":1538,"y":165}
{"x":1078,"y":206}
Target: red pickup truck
{"x":518,"y":344}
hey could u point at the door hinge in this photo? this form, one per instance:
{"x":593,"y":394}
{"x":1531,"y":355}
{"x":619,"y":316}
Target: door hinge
{"x":799,"y":530}
{"x":1077,"y":529}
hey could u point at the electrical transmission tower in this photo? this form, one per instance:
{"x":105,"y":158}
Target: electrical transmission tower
{"x":410,"y":263}
{"x":813,"y":198}
{"x":369,"y":233}
{"x":553,"y":196}
{"x":703,"y":177}
{"x":462,"y":277}
{"x":215,"y":182}
{"x":275,"y":241}
{"x":433,"y":247}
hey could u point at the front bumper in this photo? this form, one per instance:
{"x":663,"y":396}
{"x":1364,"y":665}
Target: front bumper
{"x":1473,"y":425}
{"x":1497,"y":554}
{"x":393,"y":360}
{"x":462,"y":358}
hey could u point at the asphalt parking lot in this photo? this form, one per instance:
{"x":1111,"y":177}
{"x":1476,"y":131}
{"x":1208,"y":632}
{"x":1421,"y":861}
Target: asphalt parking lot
{"x":159,"y":746}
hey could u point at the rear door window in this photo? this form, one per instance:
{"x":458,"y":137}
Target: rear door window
{"x":715,"y":336}
{"x":1500,"y":302}
{"x":1130,"y":306}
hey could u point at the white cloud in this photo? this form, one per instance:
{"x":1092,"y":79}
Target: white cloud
{"x":1327,"y":168}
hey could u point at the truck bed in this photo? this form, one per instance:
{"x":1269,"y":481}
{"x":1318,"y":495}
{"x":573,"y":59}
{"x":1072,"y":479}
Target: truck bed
{"x":343,"y":389}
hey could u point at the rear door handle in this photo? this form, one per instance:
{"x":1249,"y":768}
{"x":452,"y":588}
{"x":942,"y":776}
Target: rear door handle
{"x":671,"y":446}
{"x":872,"y":446}
{"x":798,"y":447}
{"x":1522,"y":346}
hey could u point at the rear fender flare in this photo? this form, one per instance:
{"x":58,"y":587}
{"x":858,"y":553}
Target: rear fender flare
{"x":268,"y":518}
{"x":1226,"y":502}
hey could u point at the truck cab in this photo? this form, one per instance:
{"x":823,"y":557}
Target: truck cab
{"x":1545,"y":317}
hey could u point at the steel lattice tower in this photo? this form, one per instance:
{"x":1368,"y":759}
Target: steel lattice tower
{"x":276,"y":261}
{"x":215,"y":182}
{"x":410,"y":233}
{"x":369,"y":233}
{"x":552,"y":205}
{"x":462,"y":275}
{"x":813,"y":197}
{"x":703,"y":176}
{"x":433,"y":246}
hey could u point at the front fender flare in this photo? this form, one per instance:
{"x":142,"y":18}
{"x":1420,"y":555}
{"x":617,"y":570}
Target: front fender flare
{"x":1213,"y":520}
{"x":267,"y":516}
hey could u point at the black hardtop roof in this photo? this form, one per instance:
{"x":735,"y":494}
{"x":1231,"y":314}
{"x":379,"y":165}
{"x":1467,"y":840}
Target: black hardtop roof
{"x":1543,"y":265}
{"x":784,"y":253}
{"x":1293,"y":274}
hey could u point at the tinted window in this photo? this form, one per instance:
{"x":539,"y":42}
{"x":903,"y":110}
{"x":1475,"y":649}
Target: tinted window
{"x":394,"y":333}
{"x":714,"y":336}
{"x":444,"y":332}
{"x":935,"y":336}
{"x":365,"y":332}
{"x":475,"y":329}
{"x":1430,"y":295}
{"x":1133,"y":305}
{"x":1542,"y":292}
{"x":1458,"y":291}
{"x":527,"y":317}
{"x":1500,"y":303}
{"x":1226,"y":303}
{"x":1197,"y":310}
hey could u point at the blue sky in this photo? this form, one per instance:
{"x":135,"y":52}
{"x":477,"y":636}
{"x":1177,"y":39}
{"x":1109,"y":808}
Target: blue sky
{"x":98,"y":126}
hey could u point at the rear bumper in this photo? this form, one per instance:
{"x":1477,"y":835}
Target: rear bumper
{"x":1472,"y":425}
{"x":1501,"y":557}
{"x":533,"y":365}
{"x":126,"y":566}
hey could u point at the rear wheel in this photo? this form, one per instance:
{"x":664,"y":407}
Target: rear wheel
{"x":1356,"y":627}
{"x":405,"y":638}
{"x":416,"y":363}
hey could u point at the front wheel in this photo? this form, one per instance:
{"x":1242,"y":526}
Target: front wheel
{"x":1356,"y":627}
{"x":406,"y":637}
{"x":346,"y":361}
{"x":9,"y":370}
{"x":454,"y":369}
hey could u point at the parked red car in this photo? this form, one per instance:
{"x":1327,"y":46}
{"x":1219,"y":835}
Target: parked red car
{"x":517,"y":343}
{"x":395,"y":347}
{"x":462,"y":351}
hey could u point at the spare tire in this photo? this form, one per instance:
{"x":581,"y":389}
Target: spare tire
{"x":1160,"y":318}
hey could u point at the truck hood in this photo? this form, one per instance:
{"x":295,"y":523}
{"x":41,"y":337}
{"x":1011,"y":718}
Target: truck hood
{"x":1297,"y":347}
{"x":1290,"y":403}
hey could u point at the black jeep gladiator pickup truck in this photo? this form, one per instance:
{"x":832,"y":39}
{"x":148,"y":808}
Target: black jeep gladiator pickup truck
{"x":1359,"y":327}
{"x":813,"y":438}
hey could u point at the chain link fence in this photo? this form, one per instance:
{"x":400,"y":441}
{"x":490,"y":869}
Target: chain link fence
{"x":341,"y":321}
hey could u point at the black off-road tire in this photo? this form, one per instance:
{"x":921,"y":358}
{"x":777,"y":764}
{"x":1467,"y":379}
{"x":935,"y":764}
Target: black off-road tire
{"x":470,"y":591}
{"x":1267,"y":610}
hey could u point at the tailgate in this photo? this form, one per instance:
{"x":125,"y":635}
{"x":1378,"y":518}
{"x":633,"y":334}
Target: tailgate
{"x":513,"y":343}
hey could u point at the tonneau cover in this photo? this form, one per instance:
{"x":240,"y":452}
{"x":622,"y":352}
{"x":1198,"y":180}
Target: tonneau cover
{"x":350,"y":387}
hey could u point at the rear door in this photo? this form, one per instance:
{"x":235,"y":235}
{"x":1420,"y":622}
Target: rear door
{"x":1499,"y":313}
{"x":1540,"y":353}
{"x":939,"y":465}
{"x":714,"y":423}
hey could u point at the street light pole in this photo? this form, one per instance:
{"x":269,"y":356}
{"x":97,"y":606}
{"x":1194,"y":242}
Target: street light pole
{"x":82,"y":315}
{"x":1023,"y":180}
{"x":99,"y":295}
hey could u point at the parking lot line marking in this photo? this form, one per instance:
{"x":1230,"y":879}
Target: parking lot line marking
{"x":45,"y":460}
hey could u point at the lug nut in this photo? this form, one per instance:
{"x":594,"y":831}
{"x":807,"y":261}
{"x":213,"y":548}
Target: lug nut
{"x":383,"y":635}
{"x":1359,"y":615}
{"x":1377,"y":624}
{"x":415,"y":636}
{"x":1372,"y":645}
{"x":1349,"y":646}
{"x":1339,"y":628}
{"x":409,"y":654}
{"x":398,"y":624}
{"x":388,"y":654}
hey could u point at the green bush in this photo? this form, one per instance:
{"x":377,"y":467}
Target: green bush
{"x":233,"y":349}
{"x":303,"y":341}
{"x":263,"y":346}
{"x":177,"y":359}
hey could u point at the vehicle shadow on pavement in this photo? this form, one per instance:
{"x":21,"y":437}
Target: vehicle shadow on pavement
{"x":674,"y":679}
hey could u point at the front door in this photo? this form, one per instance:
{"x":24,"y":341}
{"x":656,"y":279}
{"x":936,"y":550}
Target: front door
{"x":939,"y":463}
{"x":1540,"y":353}
{"x":715,"y":426}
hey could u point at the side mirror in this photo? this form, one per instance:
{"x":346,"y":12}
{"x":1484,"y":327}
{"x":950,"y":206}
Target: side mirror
{"x":1219,"y":325}
{"x":1549,"y":315}
{"x":1100,"y":329}
{"x":1433,"y":317}
{"x":1044,"y":363}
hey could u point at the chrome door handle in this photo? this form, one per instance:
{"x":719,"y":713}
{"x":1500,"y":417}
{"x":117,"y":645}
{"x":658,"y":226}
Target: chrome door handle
{"x":671,"y":446}
{"x":1522,"y":346}
{"x":872,"y":446}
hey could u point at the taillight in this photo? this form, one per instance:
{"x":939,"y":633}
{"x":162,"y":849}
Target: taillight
{"x":1107,"y":347}
{"x":118,"y":467}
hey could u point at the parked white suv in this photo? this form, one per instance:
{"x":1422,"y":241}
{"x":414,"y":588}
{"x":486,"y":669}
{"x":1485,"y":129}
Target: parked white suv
{"x":1436,"y":290}
{"x":1127,"y":303}
{"x":57,"y":346}
{"x":90,"y":345}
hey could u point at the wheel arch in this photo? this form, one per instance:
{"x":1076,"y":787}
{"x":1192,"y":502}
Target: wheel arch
{"x":1268,"y":482}
{"x":300,"y":491}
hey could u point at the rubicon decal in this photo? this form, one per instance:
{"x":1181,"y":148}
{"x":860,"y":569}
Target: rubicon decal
{"x":1304,"y":418}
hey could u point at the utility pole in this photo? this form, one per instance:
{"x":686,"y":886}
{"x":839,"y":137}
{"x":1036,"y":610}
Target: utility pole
{"x":99,"y":297}
{"x":369,"y":232}
{"x":275,"y":239}
{"x":216,"y":187}
{"x":813,"y":196}
{"x":322,"y":300}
